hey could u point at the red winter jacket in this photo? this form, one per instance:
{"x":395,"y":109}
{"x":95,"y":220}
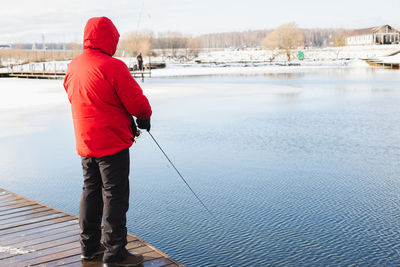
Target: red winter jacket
{"x":103,"y":94}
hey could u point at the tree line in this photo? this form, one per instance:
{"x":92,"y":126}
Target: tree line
{"x":283,"y":39}
{"x":286,"y":36}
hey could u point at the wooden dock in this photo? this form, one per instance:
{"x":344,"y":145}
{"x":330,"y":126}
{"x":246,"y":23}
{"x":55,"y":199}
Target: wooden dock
{"x":34,"y":75}
{"x":60,"y":75}
{"x":391,"y":61}
{"x":380,"y":63}
{"x":34,"y":234}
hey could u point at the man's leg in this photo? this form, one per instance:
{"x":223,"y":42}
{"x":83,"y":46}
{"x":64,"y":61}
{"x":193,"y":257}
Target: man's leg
{"x":91,"y":207}
{"x":114,"y":171}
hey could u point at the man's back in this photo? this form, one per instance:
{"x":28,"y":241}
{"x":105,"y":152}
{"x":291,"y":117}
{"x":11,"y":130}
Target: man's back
{"x":103,"y":95}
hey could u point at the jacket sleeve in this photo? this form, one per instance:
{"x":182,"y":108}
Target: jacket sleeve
{"x":130,"y":93}
{"x":66,"y":86}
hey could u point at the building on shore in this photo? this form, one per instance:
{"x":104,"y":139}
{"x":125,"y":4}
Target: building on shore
{"x":379,"y":35}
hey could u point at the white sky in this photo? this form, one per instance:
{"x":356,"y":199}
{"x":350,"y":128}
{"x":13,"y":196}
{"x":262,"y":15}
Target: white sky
{"x":64,"y":20}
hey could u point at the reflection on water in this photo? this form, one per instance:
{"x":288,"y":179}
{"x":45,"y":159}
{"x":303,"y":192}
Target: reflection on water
{"x":302,"y":169}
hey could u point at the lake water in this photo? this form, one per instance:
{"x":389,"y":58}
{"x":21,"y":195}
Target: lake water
{"x":301,"y":169}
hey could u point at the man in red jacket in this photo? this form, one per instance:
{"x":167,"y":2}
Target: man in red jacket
{"x":103,"y":97}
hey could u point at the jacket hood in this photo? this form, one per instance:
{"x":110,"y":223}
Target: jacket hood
{"x":101,"y":34}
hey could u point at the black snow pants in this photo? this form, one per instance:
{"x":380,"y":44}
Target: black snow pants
{"x":105,"y":195}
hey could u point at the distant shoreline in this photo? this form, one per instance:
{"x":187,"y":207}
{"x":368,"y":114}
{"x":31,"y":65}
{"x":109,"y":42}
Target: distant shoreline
{"x":240,"y":62}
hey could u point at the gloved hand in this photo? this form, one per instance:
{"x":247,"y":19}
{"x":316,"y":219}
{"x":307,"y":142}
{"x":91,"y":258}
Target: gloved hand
{"x":143,"y":124}
{"x":134,"y":128}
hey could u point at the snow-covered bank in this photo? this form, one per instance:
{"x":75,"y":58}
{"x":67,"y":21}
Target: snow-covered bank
{"x":310,"y":54}
{"x":242,"y":62}
{"x":180,"y":70}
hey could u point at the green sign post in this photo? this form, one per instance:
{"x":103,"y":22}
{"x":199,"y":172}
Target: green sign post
{"x":300,"y":55}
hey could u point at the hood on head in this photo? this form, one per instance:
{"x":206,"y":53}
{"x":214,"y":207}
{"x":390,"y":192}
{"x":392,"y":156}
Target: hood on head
{"x":101,"y":34}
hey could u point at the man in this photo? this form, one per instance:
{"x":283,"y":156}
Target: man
{"x":103,"y":97}
{"x":140,"y":61}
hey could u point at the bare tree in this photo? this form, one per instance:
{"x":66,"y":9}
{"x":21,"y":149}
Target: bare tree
{"x":133,"y":42}
{"x":76,"y":49}
{"x":273,"y":55}
{"x":176,"y":40}
{"x":339,"y":41}
{"x":339,"y":38}
{"x":169,"y":43}
{"x":233,"y":39}
{"x":193,"y":47}
{"x":286,"y":37}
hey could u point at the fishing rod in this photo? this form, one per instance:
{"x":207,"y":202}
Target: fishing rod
{"x":138,"y":24}
{"x":183,"y":179}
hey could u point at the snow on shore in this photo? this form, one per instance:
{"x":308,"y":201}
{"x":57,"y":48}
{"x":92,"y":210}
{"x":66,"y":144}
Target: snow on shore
{"x":310,"y":54}
{"x":251,"y":61}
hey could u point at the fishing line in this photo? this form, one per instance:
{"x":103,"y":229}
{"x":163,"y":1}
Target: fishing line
{"x":138,"y":23}
{"x":292,"y":233}
{"x":183,"y":179}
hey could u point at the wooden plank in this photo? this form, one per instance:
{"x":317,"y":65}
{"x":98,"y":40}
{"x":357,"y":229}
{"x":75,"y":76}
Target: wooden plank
{"x":52,"y":257}
{"x":25,"y":218}
{"x":35,"y":225}
{"x":151,"y":256}
{"x":22,"y":237}
{"x":54,"y":243}
{"x":23,"y":213}
{"x":133,"y":244}
{"x":60,"y":236}
{"x":8,"y":196}
{"x":34,"y":220}
{"x":19,"y":212}
{"x":40,"y":238}
{"x":156,"y":262}
{"x":5,"y":195}
{"x":141,"y":250}
{"x":40,"y":230}
{"x":19,"y":209}
{"x":12,"y":203}
{"x":35,"y":254}
{"x":35,"y":202}
{"x":23,"y":204}
{"x":36,"y":248}
{"x":130,"y":238}
{"x":79,"y":264}
{"x":75,"y":259}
